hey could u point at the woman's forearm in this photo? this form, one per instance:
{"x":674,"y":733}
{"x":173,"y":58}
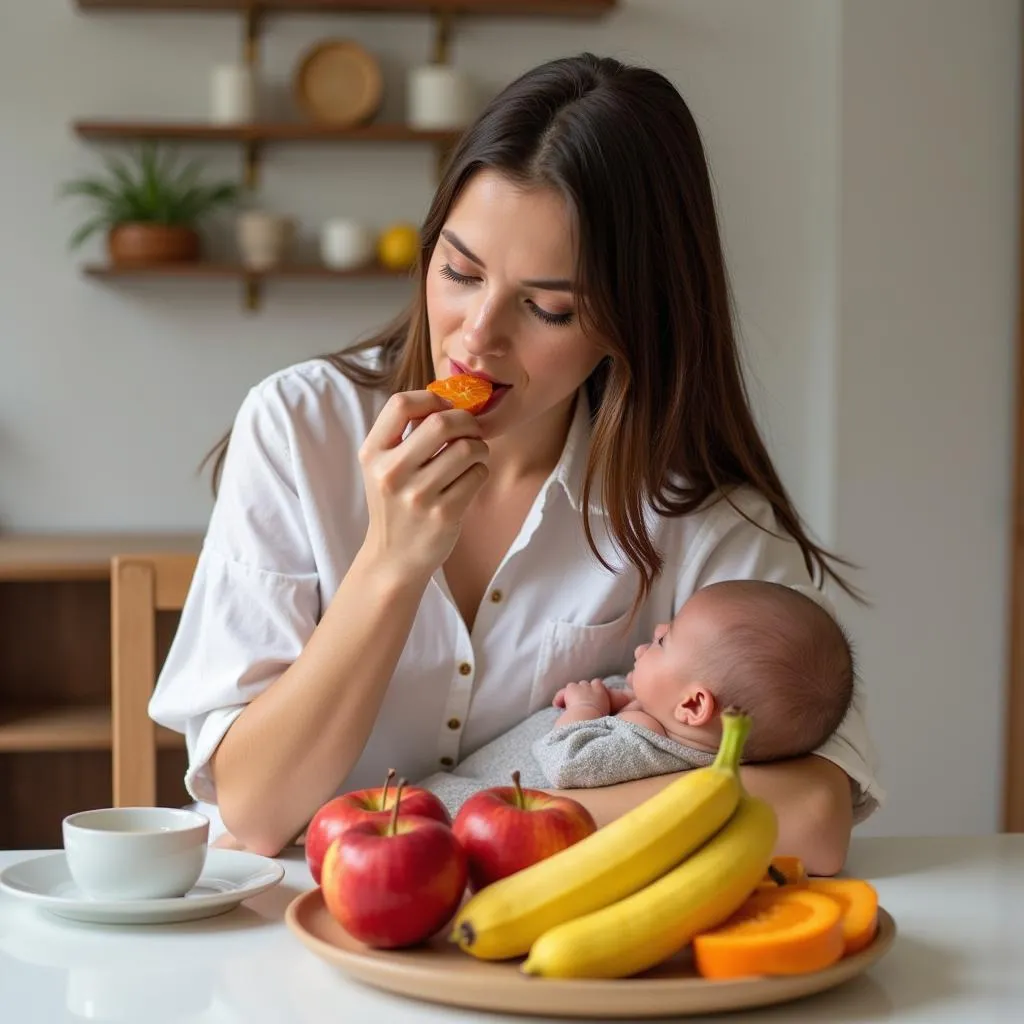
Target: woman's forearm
{"x":811,"y":797}
{"x":293,"y":745}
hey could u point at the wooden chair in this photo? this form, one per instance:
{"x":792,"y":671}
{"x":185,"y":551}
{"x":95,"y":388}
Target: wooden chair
{"x":140,"y":586}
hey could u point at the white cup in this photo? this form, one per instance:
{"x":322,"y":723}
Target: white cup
{"x":232,"y":94}
{"x":135,"y":853}
{"x":346,"y":244}
{"x":439,"y":97}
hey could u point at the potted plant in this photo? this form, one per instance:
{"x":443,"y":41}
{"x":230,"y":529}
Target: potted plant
{"x":149,"y":208}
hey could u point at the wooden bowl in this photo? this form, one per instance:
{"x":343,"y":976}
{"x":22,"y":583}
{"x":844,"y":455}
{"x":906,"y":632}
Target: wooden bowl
{"x":339,"y":82}
{"x":439,"y":972}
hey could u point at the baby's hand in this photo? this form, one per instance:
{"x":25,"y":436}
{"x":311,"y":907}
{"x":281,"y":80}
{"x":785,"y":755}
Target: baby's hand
{"x":619,"y":699}
{"x":583,"y":694}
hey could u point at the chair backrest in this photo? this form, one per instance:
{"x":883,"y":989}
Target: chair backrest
{"x":140,"y":586}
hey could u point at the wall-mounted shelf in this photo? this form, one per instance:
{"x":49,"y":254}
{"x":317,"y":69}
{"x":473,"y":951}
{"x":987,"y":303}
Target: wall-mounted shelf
{"x":255,"y":136}
{"x":556,"y":8}
{"x":251,"y":280}
{"x":269,"y":131}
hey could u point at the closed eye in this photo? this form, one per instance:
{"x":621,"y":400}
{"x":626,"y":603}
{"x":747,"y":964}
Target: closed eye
{"x":448,"y":272}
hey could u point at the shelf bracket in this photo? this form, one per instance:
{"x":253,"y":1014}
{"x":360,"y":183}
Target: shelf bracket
{"x":444,"y":24}
{"x":251,"y":169}
{"x":253,"y":293}
{"x":251,"y":39}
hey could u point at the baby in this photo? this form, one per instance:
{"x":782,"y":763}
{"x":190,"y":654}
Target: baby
{"x":763,"y":647}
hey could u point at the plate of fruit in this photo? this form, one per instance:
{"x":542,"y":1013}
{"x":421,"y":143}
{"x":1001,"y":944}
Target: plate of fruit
{"x":522,"y":905}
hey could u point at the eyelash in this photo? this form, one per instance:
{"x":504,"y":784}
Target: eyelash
{"x":552,"y":319}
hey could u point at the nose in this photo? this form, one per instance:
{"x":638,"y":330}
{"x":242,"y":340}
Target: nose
{"x":482,"y":330}
{"x":638,"y":653}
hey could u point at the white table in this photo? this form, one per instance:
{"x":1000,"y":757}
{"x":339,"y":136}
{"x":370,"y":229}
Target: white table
{"x":958,"y":958}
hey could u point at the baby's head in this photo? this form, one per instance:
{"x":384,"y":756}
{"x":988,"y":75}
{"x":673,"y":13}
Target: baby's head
{"x":762,"y":647}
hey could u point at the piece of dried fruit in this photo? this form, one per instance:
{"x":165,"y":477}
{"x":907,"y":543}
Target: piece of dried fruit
{"x":464,"y":391}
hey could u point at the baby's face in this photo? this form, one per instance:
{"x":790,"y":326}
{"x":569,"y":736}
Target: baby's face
{"x":664,"y":668}
{"x":659,"y":670}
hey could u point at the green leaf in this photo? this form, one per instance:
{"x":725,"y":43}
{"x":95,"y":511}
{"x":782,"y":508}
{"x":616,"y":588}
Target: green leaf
{"x":90,"y":227}
{"x":149,"y":187}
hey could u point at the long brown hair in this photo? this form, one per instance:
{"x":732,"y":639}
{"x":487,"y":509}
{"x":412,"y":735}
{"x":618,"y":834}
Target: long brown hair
{"x":671,"y":419}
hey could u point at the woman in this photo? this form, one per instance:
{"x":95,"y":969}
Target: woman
{"x":390,"y":582}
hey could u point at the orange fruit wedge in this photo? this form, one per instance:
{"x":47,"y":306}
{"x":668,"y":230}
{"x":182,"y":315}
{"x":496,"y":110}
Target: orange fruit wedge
{"x":858,"y":903}
{"x":781,"y":931}
{"x":784,"y":871}
{"x":464,"y":391}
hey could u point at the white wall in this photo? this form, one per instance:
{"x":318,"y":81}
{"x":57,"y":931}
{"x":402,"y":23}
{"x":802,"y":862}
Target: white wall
{"x":864,"y":157}
{"x":930,"y":124}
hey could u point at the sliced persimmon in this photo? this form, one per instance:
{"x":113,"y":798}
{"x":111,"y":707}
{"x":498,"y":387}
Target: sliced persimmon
{"x":858,"y":902}
{"x":464,"y":391}
{"x":781,"y":931}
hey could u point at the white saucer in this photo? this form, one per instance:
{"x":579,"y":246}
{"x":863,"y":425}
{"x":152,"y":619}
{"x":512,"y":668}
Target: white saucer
{"x":228,"y":877}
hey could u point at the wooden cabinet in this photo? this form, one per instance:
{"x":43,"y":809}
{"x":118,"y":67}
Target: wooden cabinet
{"x":55,"y":681}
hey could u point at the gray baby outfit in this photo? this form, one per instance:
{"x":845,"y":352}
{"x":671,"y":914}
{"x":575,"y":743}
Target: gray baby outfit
{"x":580,"y":755}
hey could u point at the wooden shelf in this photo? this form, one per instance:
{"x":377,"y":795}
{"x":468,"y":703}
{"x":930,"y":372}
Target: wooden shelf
{"x":26,"y":557}
{"x":275,"y":131}
{"x":24,"y":730}
{"x":251,"y":280}
{"x":555,"y":8}
{"x":236,"y":270}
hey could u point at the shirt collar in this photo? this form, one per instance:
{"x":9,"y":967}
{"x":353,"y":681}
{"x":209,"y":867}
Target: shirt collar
{"x":572,"y":466}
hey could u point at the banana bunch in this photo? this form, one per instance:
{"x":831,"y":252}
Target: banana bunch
{"x":635,"y":892}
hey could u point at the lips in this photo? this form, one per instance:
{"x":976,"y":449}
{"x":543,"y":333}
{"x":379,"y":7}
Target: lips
{"x":459,"y":368}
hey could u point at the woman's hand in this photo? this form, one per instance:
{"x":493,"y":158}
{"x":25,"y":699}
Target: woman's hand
{"x":418,"y":489}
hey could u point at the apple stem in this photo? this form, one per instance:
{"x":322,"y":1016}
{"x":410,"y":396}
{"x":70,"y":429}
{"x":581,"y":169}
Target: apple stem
{"x":520,"y":802}
{"x":393,"y":825}
{"x":384,"y":795}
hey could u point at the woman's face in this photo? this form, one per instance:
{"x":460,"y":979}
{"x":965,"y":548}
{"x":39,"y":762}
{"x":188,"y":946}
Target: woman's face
{"x":501,"y":301}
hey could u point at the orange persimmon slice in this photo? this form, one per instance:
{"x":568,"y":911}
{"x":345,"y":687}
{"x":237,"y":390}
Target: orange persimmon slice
{"x":784,"y":871}
{"x":464,"y":391}
{"x":858,"y":902}
{"x":781,"y":931}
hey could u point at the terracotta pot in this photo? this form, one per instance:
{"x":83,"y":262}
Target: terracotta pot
{"x":135,"y":244}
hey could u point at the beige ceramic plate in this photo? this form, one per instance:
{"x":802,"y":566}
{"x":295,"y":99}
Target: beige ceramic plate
{"x":441,"y":973}
{"x":340,"y":83}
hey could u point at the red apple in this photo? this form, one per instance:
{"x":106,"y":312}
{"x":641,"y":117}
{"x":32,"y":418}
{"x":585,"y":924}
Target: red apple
{"x":395,"y":883}
{"x":365,"y":805}
{"x":508,"y":828}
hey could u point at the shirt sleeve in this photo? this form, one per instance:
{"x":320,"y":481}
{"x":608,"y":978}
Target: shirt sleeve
{"x":254,"y":599}
{"x":605,"y":751}
{"x":747,"y":543}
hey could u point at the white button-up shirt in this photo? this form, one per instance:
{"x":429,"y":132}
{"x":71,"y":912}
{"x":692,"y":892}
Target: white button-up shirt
{"x":291,"y":515}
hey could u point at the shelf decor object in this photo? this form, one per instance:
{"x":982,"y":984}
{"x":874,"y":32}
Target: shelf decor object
{"x":442,"y":99}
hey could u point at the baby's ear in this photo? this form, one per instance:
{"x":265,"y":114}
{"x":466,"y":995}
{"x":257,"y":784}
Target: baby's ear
{"x":697,"y":707}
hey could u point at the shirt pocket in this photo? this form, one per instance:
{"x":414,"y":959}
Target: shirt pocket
{"x":570,"y":652}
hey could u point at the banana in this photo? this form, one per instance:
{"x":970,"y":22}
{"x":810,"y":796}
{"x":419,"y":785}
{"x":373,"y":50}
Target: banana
{"x":504,"y":919}
{"x":643,"y":929}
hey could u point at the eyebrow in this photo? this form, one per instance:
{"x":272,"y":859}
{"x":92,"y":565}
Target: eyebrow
{"x":547,"y":284}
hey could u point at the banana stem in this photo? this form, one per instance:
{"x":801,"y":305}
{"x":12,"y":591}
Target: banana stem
{"x":520,"y":802}
{"x":393,"y":824}
{"x":735,"y":729}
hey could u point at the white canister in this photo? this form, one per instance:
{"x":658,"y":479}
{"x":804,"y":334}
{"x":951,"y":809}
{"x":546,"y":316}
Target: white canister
{"x":346,"y":244}
{"x":264,"y":239}
{"x":232,"y":94}
{"x":439,"y":97}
